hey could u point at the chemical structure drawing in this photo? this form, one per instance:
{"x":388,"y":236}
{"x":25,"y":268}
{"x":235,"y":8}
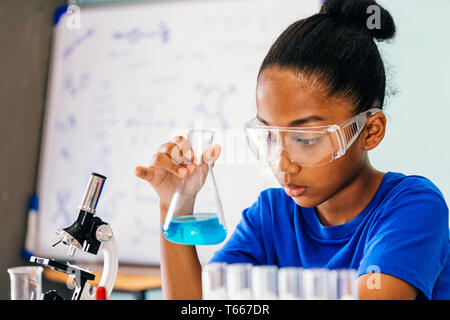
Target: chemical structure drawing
{"x":70,"y":122}
{"x":212,"y":103}
{"x":136,"y":35}
{"x":111,"y":204}
{"x":68,"y":51}
{"x":65,"y":153}
{"x":73,"y":85}
{"x":62,"y":214}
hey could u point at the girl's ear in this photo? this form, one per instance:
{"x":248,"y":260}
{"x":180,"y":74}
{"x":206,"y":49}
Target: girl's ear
{"x":374,"y":131}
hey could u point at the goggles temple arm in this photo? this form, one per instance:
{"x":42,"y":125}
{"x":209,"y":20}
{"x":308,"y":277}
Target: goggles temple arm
{"x":340,"y":139}
{"x":351,"y":130}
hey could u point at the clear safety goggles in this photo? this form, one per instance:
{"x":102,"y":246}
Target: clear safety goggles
{"x":305,"y":146}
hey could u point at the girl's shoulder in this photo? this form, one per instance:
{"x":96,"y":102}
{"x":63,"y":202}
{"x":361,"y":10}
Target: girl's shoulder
{"x":410,"y":199}
{"x":397,"y":185}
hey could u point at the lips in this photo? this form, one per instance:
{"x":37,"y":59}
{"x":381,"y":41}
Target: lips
{"x":294,"y":190}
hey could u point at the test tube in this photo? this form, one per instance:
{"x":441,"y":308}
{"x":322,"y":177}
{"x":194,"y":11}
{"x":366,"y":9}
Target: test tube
{"x":26,"y":283}
{"x":342,"y":284}
{"x":333,"y":285}
{"x":290,"y":283}
{"x":265,"y":282}
{"x":239,"y":284}
{"x":214,"y":281}
{"x":315,"y":282}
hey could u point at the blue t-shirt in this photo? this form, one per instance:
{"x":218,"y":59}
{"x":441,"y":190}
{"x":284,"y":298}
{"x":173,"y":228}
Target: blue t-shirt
{"x":403,"y":231}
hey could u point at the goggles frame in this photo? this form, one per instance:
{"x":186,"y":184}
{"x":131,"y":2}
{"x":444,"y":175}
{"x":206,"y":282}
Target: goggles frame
{"x":346,"y":133}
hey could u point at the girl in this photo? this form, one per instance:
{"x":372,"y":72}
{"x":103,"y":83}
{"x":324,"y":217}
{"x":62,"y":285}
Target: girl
{"x":320,"y":95}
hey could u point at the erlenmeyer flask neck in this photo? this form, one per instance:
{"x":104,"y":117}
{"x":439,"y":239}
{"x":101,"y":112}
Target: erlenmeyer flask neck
{"x":200,"y":140}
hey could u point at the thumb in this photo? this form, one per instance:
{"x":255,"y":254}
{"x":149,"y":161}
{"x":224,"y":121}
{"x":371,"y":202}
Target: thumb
{"x":216,"y":153}
{"x":211,"y":154}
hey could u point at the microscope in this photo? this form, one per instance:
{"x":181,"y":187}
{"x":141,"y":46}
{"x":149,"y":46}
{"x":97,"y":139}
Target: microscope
{"x":89,"y":234}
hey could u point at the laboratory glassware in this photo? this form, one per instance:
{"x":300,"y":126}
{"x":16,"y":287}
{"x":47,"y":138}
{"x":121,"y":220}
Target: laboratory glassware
{"x":239,"y":281}
{"x":290,"y":285}
{"x":265,"y":282}
{"x":342,"y":284}
{"x":315,"y":284}
{"x":214,"y":283}
{"x":26,"y":283}
{"x":195,"y":215}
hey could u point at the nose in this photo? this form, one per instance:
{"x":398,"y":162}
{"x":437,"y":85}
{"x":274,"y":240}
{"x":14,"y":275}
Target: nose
{"x":286,"y":165}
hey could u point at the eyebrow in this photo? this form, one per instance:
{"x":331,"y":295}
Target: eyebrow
{"x":297,"y":122}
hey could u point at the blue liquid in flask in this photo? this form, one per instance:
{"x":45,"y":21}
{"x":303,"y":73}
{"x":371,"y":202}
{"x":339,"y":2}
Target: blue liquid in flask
{"x":197,"y":229}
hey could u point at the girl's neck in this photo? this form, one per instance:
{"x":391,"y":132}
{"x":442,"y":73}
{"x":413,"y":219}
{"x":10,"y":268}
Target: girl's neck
{"x":351,"y":200}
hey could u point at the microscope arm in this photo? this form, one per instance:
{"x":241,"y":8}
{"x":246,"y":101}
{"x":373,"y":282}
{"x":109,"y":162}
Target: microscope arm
{"x":110,"y":267}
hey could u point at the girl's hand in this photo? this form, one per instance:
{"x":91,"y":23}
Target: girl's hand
{"x":172,"y":162}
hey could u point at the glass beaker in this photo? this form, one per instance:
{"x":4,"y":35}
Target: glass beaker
{"x":26,"y":283}
{"x":195,"y":214}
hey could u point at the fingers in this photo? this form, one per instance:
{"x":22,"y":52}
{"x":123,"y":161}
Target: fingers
{"x":184,"y":149}
{"x":211,"y":154}
{"x":163,"y":161}
{"x":160,"y":167}
{"x":179,"y":150}
{"x":175,"y":157}
{"x":151,"y":174}
{"x":172,"y":157}
{"x":145,"y":173}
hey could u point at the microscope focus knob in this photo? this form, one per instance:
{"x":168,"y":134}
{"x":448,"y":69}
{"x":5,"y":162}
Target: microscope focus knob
{"x":104,"y":233}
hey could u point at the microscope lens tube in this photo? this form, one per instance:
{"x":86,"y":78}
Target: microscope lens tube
{"x":92,"y":193}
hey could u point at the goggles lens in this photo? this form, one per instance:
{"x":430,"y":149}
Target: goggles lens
{"x":304,"y":148}
{"x":308,"y":146}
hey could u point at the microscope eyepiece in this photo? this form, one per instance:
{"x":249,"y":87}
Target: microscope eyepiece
{"x":92,"y":193}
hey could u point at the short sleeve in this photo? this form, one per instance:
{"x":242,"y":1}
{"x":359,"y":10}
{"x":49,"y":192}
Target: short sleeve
{"x":246,"y":243}
{"x":409,"y":239}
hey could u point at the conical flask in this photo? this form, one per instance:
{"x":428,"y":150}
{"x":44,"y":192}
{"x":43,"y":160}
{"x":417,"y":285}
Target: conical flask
{"x":195,"y":214}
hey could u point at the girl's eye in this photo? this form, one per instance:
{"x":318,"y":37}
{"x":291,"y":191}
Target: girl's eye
{"x":306,"y":142}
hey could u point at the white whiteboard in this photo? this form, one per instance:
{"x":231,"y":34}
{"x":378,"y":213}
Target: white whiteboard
{"x":125,"y":82}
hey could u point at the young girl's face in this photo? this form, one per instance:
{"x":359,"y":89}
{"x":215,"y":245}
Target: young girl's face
{"x":286,"y":98}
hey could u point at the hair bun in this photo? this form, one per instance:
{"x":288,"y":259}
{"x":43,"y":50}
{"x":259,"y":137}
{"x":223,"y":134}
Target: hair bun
{"x":358,"y":13}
